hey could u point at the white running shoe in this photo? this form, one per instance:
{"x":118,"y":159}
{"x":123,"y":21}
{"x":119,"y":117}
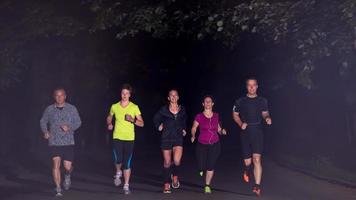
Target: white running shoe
{"x":117,"y":179}
{"x":67,"y":182}
{"x":127,"y":189}
{"x":59,"y":192}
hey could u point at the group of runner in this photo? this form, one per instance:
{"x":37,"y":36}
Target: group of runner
{"x":61,"y":119}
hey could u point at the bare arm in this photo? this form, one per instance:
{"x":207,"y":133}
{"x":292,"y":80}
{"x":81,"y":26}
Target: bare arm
{"x":265,"y":114}
{"x":194,"y":130}
{"x":237,"y":119}
{"x":139,"y":121}
{"x":267,"y":117}
{"x":109,"y":122}
{"x":221,"y":131}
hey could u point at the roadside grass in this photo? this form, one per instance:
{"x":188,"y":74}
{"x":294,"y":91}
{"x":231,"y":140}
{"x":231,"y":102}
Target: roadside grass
{"x":320,"y":167}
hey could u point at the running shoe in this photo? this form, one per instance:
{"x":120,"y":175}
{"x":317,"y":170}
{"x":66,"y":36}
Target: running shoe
{"x":246,"y":177}
{"x":175,"y":182}
{"x":117,"y":179}
{"x":256,"y":190}
{"x":67,"y":182}
{"x":59,"y":192}
{"x":207,"y":189}
{"x":127,"y":189}
{"x":167,"y":188}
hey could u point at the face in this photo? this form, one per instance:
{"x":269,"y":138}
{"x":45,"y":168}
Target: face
{"x":251,"y":86}
{"x":125,"y":94}
{"x":60,"y":96}
{"x":173,"y":96}
{"x":208,"y":103}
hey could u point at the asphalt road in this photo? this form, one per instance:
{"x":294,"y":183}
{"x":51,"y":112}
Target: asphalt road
{"x":92,"y":180}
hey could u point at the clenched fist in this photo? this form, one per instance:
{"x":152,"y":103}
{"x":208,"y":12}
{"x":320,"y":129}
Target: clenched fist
{"x":244,"y":126}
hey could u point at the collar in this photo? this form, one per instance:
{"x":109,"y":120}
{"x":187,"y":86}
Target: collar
{"x":64,"y":105}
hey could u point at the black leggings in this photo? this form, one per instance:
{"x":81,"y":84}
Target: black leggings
{"x":207,"y":155}
{"x":122,"y":153}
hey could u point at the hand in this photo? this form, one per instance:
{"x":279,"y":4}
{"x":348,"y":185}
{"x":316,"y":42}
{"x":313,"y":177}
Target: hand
{"x":65,"y":128}
{"x":110,"y":127}
{"x":192,"y":139}
{"x":268,"y":120}
{"x":223,"y":132}
{"x":160,"y":128}
{"x":184,"y":132}
{"x":244,"y":126}
{"x":46,"y":136}
{"x":129,"y":118}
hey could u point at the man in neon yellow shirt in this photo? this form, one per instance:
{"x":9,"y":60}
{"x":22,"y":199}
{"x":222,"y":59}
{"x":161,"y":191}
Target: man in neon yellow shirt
{"x":127,"y":115}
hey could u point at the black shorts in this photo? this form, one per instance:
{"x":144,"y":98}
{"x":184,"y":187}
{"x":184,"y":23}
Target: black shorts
{"x":64,"y":152}
{"x":122,"y":152}
{"x":207,"y":155}
{"x":252,"y":141}
{"x":169,"y":144}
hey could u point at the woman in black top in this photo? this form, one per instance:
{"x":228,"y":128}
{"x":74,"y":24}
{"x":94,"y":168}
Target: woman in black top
{"x":170,"y":120}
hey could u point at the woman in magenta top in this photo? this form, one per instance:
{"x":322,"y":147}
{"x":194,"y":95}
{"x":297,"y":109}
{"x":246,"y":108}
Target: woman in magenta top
{"x":208,"y":146}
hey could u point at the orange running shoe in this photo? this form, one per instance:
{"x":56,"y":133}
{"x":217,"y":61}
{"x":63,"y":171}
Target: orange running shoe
{"x":246,"y":177}
{"x":167,"y":188}
{"x":257,"y":191}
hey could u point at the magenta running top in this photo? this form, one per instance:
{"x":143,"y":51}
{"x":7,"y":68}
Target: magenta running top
{"x":208,"y":128}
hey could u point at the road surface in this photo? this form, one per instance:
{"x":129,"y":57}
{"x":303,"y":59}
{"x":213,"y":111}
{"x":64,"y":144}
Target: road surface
{"x":92,"y":180}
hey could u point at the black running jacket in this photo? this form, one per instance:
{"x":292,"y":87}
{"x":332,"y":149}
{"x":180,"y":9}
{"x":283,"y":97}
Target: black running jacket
{"x":173,"y":125}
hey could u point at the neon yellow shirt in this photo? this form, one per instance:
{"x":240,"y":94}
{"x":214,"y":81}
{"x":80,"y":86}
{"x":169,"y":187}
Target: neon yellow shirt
{"x":124,"y":130}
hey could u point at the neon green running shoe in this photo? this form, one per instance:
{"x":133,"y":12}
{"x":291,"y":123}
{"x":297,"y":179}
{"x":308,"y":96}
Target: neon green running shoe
{"x":207,"y":190}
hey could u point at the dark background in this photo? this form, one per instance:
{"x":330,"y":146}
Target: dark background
{"x":313,"y":129}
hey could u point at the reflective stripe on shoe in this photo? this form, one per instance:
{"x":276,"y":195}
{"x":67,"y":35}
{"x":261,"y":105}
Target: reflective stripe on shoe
{"x":245,"y":177}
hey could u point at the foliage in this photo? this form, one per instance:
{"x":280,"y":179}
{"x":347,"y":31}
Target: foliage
{"x":26,"y":21}
{"x":314,"y":29}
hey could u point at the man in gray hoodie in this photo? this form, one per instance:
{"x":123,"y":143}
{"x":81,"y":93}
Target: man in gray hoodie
{"x":58,"y":123}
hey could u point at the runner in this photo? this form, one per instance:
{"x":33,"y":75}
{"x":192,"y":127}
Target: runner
{"x":127,"y":115}
{"x":170,"y":120}
{"x":249,"y":112}
{"x":208,"y":146}
{"x":58,"y":123}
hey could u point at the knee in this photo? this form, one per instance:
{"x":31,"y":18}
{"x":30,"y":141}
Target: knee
{"x":68,"y":167}
{"x":257,"y":161}
{"x":247,"y":162}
